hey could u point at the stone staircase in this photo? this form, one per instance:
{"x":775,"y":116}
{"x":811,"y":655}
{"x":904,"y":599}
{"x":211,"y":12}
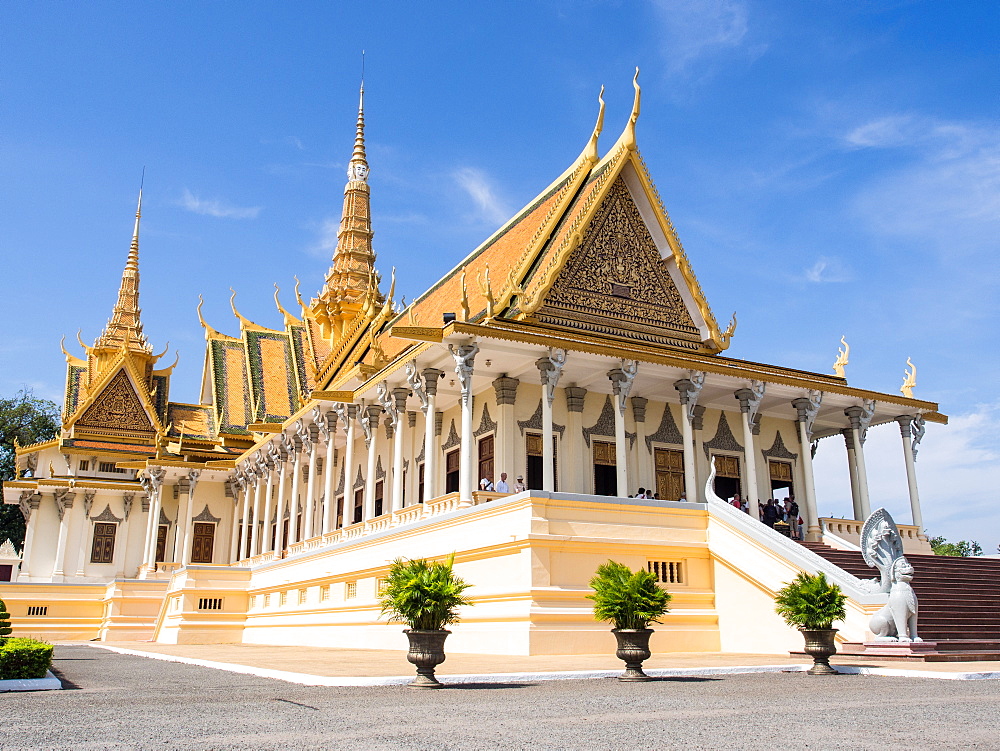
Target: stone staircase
{"x":959,"y":600}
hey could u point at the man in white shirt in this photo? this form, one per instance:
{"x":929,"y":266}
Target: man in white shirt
{"x":502,"y":486}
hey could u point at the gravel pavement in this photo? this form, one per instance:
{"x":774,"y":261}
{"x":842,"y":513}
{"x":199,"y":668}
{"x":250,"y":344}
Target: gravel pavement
{"x":120,"y":701}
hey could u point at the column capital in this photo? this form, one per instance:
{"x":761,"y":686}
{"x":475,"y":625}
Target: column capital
{"x":698,"y":417}
{"x":622,"y":378}
{"x":506,"y":389}
{"x":465,"y":364}
{"x":550,"y":369}
{"x":750,"y":398}
{"x":848,"y":434}
{"x":431,"y":376}
{"x":689,"y":390}
{"x":807,"y":408}
{"x":639,"y":408}
{"x":575,"y":398}
{"x":861,"y":416}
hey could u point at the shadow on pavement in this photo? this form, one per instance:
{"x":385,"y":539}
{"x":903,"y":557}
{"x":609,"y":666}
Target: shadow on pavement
{"x":67,"y":684}
{"x":475,"y":686}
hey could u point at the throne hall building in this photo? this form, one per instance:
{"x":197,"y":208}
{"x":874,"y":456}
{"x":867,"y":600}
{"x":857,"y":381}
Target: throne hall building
{"x":574,"y":348}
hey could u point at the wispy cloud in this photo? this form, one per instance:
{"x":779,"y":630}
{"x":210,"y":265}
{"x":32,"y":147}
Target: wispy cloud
{"x":827,"y":270}
{"x":326,"y":240}
{"x":694,"y":29}
{"x":947,"y":191}
{"x":490,"y":207}
{"x":217,"y":208}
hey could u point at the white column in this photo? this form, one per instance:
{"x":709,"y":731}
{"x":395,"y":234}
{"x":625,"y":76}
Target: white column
{"x":349,"y":419}
{"x":852,"y":469}
{"x":465,"y":362}
{"x":121,"y":538}
{"x":399,"y":399}
{"x":576,"y":465}
{"x":806,"y":411}
{"x":621,"y":384}
{"x":412,"y":479}
{"x":310,"y":442}
{"x":293,"y":502}
{"x":192,"y":482}
{"x":329,"y":429}
{"x":239,"y":486}
{"x":149,"y":541}
{"x":689,"y":390}
{"x":860,"y":418}
{"x":750,"y":399}
{"x":251,"y":485}
{"x":369,"y":425}
{"x":64,"y":505}
{"x":29,"y":504}
{"x":550,"y":369}
{"x":81,"y":540}
{"x":258,"y":497}
{"x":281,"y":467}
{"x":155,"y":510}
{"x":908,"y":426}
{"x":645,"y":475}
{"x":431,"y":376}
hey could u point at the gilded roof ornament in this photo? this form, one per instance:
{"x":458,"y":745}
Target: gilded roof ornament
{"x":909,"y":380}
{"x":629,"y":136}
{"x":842,"y":354}
{"x":727,"y":335}
{"x":484,"y":286}
{"x":209,"y":331}
{"x":289,"y":319}
{"x":245,"y":323}
{"x":590,"y":152}
{"x":464,"y":301}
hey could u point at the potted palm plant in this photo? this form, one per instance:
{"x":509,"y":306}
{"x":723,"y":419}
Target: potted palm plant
{"x":811,"y":604}
{"x":426,"y":596}
{"x":630,"y":600}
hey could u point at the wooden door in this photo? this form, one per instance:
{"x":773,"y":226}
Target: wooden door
{"x":203,"y":543}
{"x":359,"y":505}
{"x":103,"y":550}
{"x":6,"y":572}
{"x":420,"y":483}
{"x":379,"y":498}
{"x":161,"y":543}
{"x":669,"y":474}
{"x":486,"y":458}
{"x":605,"y":469}
{"x":452,"y":472}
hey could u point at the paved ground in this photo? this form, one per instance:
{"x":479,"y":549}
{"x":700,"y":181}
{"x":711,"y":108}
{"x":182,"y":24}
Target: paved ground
{"x":372,"y":663}
{"x":120,"y":701}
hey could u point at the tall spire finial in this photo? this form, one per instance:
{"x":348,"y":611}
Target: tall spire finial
{"x":357,"y":170}
{"x":124,"y":329}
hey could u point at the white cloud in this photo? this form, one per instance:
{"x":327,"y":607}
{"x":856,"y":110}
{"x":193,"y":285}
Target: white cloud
{"x":958,"y":476}
{"x":694,"y":29}
{"x":827,"y":270}
{"x":216,"y":208}
{"x":326,"y":243}
{"x":477,"y":185}
{"x":948,"y":192}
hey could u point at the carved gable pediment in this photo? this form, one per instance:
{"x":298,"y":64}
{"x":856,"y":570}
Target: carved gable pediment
{"x":117,"y":410}
{"x":616,"y":283}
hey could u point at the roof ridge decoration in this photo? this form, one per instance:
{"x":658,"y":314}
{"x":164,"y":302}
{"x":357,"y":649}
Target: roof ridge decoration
{"x":288,"y":318}
{"x":211,"y":333}
{"x":122,"y":363}
{"x":245,"y":323}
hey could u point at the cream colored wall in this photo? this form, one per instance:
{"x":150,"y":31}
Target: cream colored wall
{"x":74,"y":610}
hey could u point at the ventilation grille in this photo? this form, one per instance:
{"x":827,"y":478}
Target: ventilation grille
{"x":38,"y":610}
{"x":350,"y":590}
{"x":209,"y":603}
{"x":667,"y":572}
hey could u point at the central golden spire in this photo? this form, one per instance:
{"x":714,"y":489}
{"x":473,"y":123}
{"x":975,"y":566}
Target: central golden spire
{"x":124,"y":329}
{"x":352,"y":280}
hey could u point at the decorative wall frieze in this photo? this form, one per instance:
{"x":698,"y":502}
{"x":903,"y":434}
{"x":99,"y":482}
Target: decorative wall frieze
{"x":423,"y":448}
{"x":486,"y":424}
{"x":724,"y":440}
{"x":206,"y":516}
{"x":453,"y":438}
{"x":605,"y":425}
{"x":88,"y":501}
{"x":106,"y":516}
{"x":359,"y":481}
{"x":163,"y":518}
{"x":666,"y":433}
{"x":127,"y":500}
{"x":778,"y":449}
{"x":535,"y":422}
{"x":379,"y":471}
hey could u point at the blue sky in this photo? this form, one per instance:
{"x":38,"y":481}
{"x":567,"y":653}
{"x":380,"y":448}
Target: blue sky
{"x":833,"y":168}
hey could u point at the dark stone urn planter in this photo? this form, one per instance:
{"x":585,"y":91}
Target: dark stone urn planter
{"x":633,"y":648}
{"x":426,"y":652}
{"x":820,"y":644}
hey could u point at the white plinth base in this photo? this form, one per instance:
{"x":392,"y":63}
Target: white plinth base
{"x":48,"y":683}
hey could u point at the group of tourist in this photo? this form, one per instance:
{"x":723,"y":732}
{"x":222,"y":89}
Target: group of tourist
{"x":502,"y":486}
{"x":773,"y":511}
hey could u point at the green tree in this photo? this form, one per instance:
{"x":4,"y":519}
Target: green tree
{"x":963,"y":548}
{"x":26,"y":419}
